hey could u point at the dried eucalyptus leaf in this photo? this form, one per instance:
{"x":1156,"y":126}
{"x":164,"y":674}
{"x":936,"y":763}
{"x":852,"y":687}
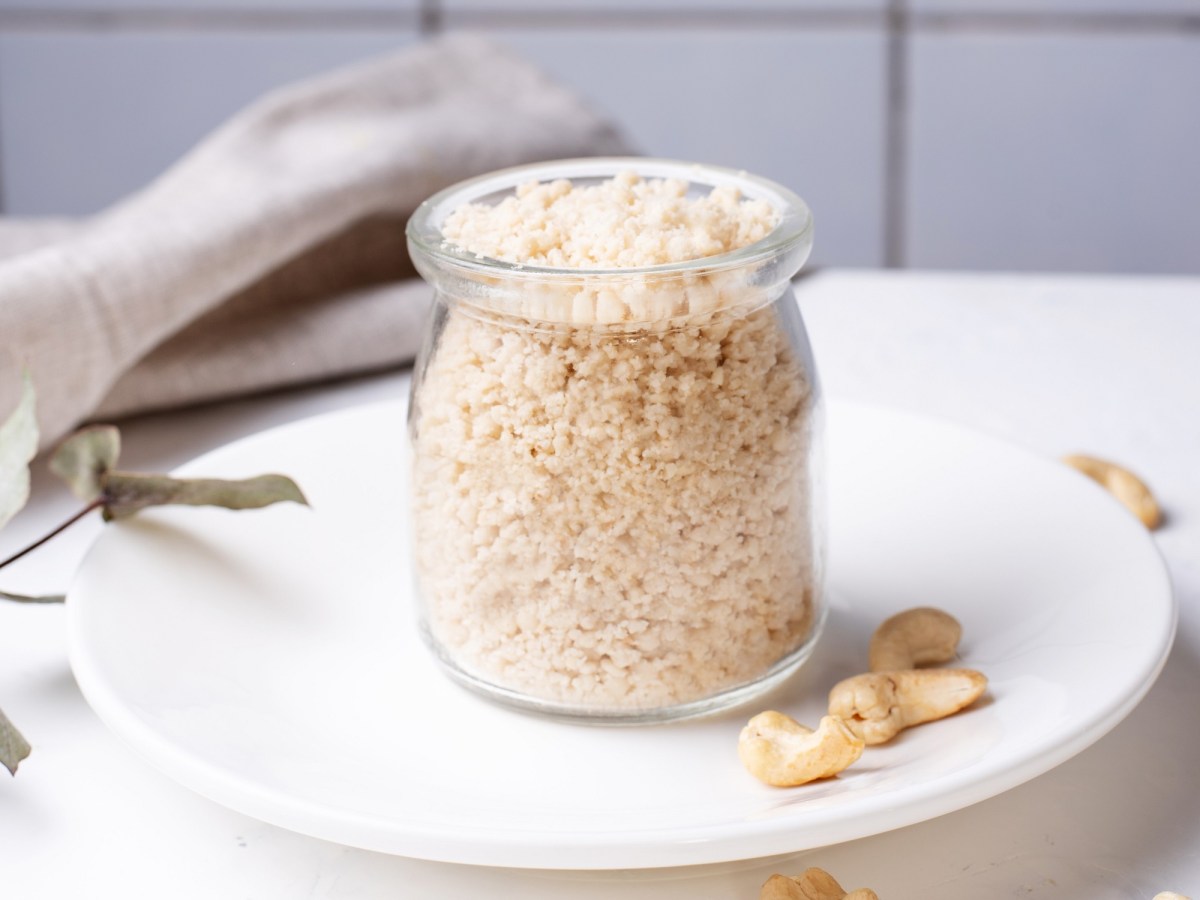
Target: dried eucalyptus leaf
{"x":13,"y":746}
{"x":27,"y":598}
{"x":126,"y":493}
{"x":18,"y":445}
{"x":83,"y":459}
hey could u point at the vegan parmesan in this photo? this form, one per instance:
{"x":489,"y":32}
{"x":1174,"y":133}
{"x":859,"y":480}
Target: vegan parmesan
{"x":611,"y":480}
{"x":624,"y":222}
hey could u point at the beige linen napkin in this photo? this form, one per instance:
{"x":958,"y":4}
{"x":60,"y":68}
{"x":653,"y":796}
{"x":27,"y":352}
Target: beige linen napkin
{"x":273,"y":253}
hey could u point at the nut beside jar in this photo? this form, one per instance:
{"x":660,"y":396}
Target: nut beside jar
{"x":615,"y":424}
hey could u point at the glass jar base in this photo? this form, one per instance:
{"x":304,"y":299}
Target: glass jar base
{"x":710,"y":705}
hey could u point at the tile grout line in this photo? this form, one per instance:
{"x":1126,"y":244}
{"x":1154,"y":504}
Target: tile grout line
{"x":114,"y":21}
{"x":431,"y":17}
{"x":1051,"y":22}
{"x":724,"y":19}
{"x":3,"y":193}
{"x":895,"y":140}
{"x":428,"y":17}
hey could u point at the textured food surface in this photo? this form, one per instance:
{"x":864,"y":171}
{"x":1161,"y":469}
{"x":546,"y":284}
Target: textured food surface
{"x":616,"y":521}
{"x":622,"y":222}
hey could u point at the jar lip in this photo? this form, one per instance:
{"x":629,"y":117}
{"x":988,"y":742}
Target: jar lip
{"x":795,"y":224}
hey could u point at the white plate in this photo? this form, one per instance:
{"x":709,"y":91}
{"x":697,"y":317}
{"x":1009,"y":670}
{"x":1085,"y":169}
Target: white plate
{"x":269,"y":661}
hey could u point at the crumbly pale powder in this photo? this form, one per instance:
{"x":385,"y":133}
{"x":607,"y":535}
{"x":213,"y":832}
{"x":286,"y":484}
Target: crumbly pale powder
{"x":620,"y":223}
{"x":615,"y":521}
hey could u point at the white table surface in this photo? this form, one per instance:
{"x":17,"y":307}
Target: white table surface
{"x":1109,"y":366}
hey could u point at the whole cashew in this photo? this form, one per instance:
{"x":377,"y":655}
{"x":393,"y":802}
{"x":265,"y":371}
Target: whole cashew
{"x":778,"y":750}
{"x":1170,"y":895}
{"x":1130,"y":490}
{"x":814,"y":884}
{"x":878,"y":705}
{"x":913,"y":638}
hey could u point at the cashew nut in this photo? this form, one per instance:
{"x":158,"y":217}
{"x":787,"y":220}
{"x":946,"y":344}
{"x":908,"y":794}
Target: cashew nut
{"x":1130,"y":490}
{"x":878,"y":705}
{"x":1168,"y":895}
{"x":914,"y":638}
{"x":778,"y":750}
{"x":814,"y":884}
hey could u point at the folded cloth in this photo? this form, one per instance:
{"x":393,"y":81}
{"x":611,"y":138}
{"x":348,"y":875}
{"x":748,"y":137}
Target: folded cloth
{"x":273,"y":253}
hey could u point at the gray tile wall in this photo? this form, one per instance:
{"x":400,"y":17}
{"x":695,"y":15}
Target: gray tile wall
{"x":86,"y":118}
{"x":1056,"y":135}
{"x":1057,"y":151}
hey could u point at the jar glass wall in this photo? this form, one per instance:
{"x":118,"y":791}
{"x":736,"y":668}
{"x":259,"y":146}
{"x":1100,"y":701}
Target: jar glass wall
{"x":617,"y":508}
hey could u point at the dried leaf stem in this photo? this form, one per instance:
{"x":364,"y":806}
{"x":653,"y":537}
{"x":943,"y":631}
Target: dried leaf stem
{"x":95,"y":504}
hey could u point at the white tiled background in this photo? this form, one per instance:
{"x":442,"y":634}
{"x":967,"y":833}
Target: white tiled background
{"x":1052,"y":135}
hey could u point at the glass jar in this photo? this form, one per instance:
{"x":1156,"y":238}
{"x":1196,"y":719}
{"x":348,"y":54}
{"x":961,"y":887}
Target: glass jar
{"x":616,"y":476}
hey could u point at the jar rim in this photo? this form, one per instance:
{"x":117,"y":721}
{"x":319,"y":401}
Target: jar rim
{"x":795,"y":225}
